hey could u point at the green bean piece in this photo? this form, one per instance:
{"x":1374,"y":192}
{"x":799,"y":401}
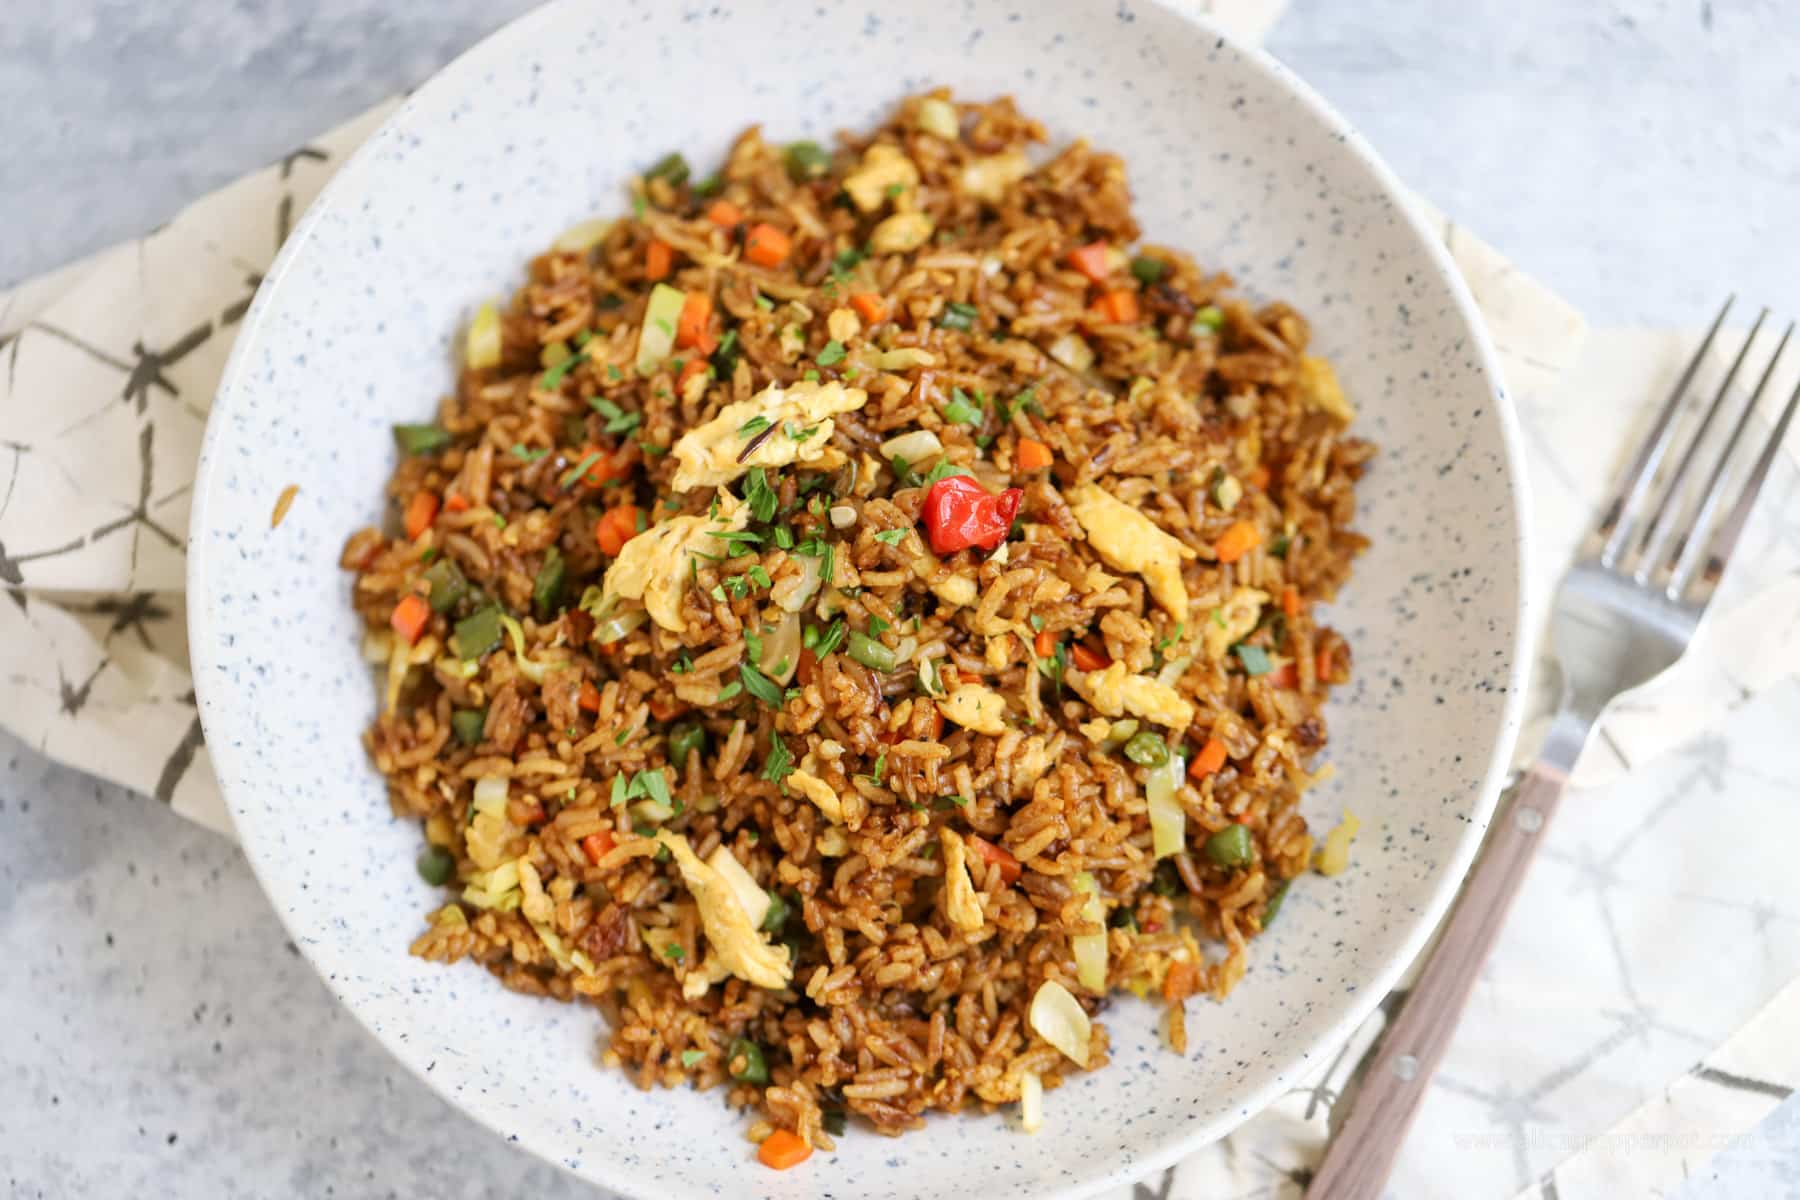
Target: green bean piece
{"x":684,"y":740}
{"x":436,"y":865}
{"x":871,"y":653}
{"x":754,"y":1068}
{"x":546,"y":589}
{"x":1274,"y":904}
{"x":477,"y":633}
{"x":448,"y":585}
{"x":1147,"y":749}
{"x":467,"y":724}
{"x":1231,"y":847}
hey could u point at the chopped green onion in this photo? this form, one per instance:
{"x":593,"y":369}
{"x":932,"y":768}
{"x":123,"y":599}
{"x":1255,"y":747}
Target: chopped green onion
{"x":961,"y":410}
{"x":436,"y":865}
{"x":673,"y":952}
{"x":578,"y":470}
{"x":760,"y":685}
{"x":617,"y":419}
{"x":871,"y":653}
{"x":1273,"y":905}
{"x":958,"y":316}
{"x":467,"y":724}
{"x":725,"y":355}
{"x":1230,"y":847}
{"x":806,"y":160}
{"x":753,"y":426}
{"x":944,"y":470}
{"x":448,"y":585}
{"x":692,"y":1058}
{"x":550,"y":380}
{"x":891,"y":537}
{"x":421,"y":439}
{"x":525,"y":453}
{"x":832,"y":354}
{"x":1211,"y":319}
{"x":672,"y":167}
{"x":546,"y":588}
{"x":1148,"y":270}
{"x":1254,"y":658}
{"x":477,"y":633}
{"x":745,"y":1059}
{"x":1147,"y":749}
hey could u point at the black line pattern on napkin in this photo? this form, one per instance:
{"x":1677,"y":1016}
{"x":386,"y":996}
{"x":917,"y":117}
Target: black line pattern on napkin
{"x":178,"y":762}
{"x":1742,"y":1083}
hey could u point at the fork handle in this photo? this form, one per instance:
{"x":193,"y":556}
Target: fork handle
{"x":1361,"y":1156}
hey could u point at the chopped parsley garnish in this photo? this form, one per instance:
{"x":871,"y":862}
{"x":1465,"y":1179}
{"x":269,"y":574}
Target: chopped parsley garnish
{"x":671,"y":167}
{"x":525,"y":453}
{"x":725,"y":355}
{"x":944,"y":470}
{"x":617,"y":419}
{"x":877,"y":627}
{"x":799,"y":433}
{"x":843,"y":262}
{"x":1278,"y":547}
{"x":1026,"y":400}
{"x":891,"y":537}
{"x":649,"y":785}
{"x":811,"y":377}
{"x":618,"y":790}
{"x":961,"y":410}
{"x":784,"y":537}
{"x":760,"y":577}
{"x":764,"y":303}
{"x":673,"y":952}
{"x":780,"y":763}
{"x":613,"y":373}
{"x":958,"y":316}
{"x":806,"y":160}
{"x":832,"y":354}
{"x":692,"y":1058}
{"x":880,"y":769}
{"x":729,"y":691}
{"x":1254,"y":658}
{"x":550,"y":380}
{"x":1037,"y":622}
{"x":824,"y":643}
{"x":712,"y":185}
{"x":578,"y":470}
{"x":683,"y":663}
{"x":737,"y":541}
{"x":759,"y":685}
{"x":760,"y":496}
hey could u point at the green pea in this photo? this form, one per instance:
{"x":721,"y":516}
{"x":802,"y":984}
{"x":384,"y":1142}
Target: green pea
{"x":1274,"y":904}
{"x":436,"y":865}
{"x":1147,"y":749}
{"x":745,"y":1059}
{"x":871,"y":653}
{"x":685,"y":739}
{"x":1231,"y":847}
{"x":467,"y":724}
{"x":478,"y":633}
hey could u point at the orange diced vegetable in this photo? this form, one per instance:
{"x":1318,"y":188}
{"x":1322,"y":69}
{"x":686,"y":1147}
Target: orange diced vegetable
{"x":410,"y":617}
{"x":1324,"y":665}
{"x":1210,"y":759}
{"x":598,"y":845}
{"x":1031,"y":455}
{"x":618,"y":526}
{"x":1182,"y":981}
{"x":1287,"y":675}
{"x":809,"y":665}
{"x":994,"y":856}
{"x":689,"y":369}
{"x":659,"y":260}
{"x":605,"y":466}
{"x":1086,"y":658}
{"x":456,"y":502}
{"x":1237,"y":541}
{"x":783,"y":1149}
{"x":665,"y":708}
{"x":1290,"y":601}
{"x":767,"y":246}
{"x":1259,"y":477}
{"x":1120,"y":307}
{"x":588,"y":698}
{"x":1045,"y":643}
{"x":870,"y":307}
{"x":1092,"y":260}
{"x":937,"y":723}
{"x":421,"y":511}
{"x":691,"y":327}
{"x":725,"y":214}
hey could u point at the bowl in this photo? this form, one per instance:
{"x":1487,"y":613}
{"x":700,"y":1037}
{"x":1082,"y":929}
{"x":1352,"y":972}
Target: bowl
{"x":1230,"y":157}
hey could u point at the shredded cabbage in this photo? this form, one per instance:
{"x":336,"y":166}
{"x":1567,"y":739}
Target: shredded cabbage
{"x":1168,"y":820}
{"x":1060,"y":1020}
{"x":1090,"y":948}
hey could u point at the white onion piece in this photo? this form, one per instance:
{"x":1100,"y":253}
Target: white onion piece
{"x":915,"y":447}
{"x":583,"y":235}
{"x":490,"y":795}
{"x":1072,"y":352}
{"x":780,"y":656}
{"x":793,"y":593}
{"x":1168,"y":820}
{"x":842,"y":516}
{"x":1031,"y":1102}
{"x":610,"y":629}
{"x":376,"y":644}
{"x":1090,"y":948}
{"x":1059,"y":1019}
{"x":938,"y":118}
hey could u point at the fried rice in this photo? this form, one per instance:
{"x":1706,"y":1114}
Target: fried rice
{"x":855,"y":615}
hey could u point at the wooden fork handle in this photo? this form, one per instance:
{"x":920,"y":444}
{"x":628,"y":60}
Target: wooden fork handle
{"x":1359,"y":1159}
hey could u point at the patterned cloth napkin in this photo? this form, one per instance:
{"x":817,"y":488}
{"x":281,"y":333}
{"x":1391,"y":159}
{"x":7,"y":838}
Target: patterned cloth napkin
{"x":1595,"y":1000}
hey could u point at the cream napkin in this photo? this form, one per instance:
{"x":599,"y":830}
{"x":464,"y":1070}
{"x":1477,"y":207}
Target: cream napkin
{"x":107,"y":369}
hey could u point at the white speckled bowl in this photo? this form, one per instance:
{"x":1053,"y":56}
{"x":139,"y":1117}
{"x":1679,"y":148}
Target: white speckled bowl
{"x":539,"y":126}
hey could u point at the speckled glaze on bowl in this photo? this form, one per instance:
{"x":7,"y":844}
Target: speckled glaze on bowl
{"x":539,"y":126}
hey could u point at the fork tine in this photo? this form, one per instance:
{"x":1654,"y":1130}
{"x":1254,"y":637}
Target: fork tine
{"x":1621,"y":517}
{"x":1669,"y":509}
{"x":1732,"y":528}
{"x":1685,"y":556}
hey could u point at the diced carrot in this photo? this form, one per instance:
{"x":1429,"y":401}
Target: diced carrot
{"x":937,"y":723}
{"x":1259,"y":477}
{"x":526,"y":812}
{"x":410,"y":617}
{"x":1182,"y":981}
{"x":457,"y":502}
{"x":725,"y":214}
{"x":1044,"y":643}
{"x":665,"y":708}
{"x":767,"y":246}
{"x":783,"y":1149}
{"x":588,"y":698}
{"x":1032,"y":454}
{"x":808,"y":668}
{"x":598,"y":845}
{"x":605,"y":468}
{"x":421,"y":511}
{"x":1093,"y":260}
{"x":1324,"y":666}
{"x":1208,"y":762}
{"x":1287,"y":675}
{"x":1120,"y":307}
{"x":689,"y":369}
{"x":691,"y":327}
{"x":1086,"y":658}
{"x":1290,"y":601}
{"x":1237,"y":541}
{"x":618,"y":526}
{"x":870,"y":307}
{"x":659,"y":260}
{"x":995,"y":856}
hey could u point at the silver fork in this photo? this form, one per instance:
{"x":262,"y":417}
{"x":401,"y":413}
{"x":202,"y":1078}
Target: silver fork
{"x":1623,"y":614}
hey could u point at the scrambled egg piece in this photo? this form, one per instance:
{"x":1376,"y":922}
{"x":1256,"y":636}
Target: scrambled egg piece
{"x":709,"y":456}
{"x":653,"y":566}
{"x":976,"y":708}
{"x":1320,"y":389}
{"x":960,"y":904}
{"x":1334,"y":855}
{"x":1127,"y":540}
{"x":820,"y":793}
{"x":1233,"y":622}
{"x":882,"y":167}
{"x":736,"y":944}
{"x":1115,"y":692}
{"x":988,"y":178}
{"x":901,"y":233}
{"x":958,"y":591}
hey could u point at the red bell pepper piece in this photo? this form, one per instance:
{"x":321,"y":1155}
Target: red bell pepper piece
{"x":960,"y":513}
